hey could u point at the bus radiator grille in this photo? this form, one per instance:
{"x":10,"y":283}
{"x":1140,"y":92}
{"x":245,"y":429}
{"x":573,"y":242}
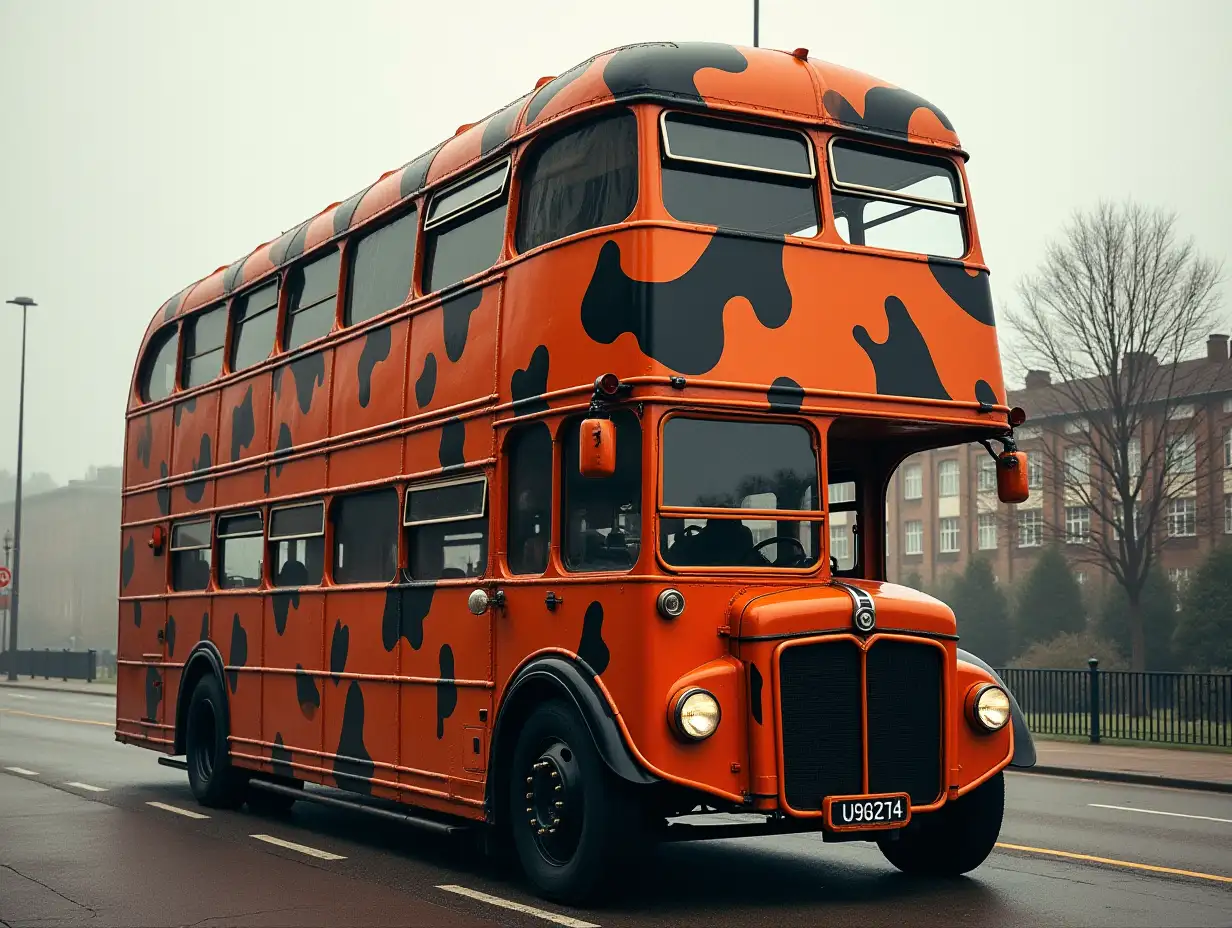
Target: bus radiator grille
{"x":905,"y":734}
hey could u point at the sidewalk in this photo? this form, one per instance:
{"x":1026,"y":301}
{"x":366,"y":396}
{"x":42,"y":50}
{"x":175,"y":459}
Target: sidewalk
{"x":97,"y":688}
{"x":1210,"y":770}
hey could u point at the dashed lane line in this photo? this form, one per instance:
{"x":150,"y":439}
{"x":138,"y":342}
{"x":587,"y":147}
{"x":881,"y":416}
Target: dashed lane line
{"x":518,"y":907}
{"x":1132,"y":865}
{"x":302,"y":848}
{"x":1201,"y":818}
{"x":22,"y":771}
{"x":56,"y":718}
{"x":20,"y":696}
{"x":90,"y":788}
{"x":187,"y":813}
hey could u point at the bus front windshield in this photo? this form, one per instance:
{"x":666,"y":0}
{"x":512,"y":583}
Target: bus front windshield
{"x":712,"y":465}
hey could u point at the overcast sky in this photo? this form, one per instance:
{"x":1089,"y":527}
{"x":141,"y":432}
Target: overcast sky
{"x":146,"y":144}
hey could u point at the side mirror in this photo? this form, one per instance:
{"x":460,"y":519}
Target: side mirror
{"x":597,"y":448}
{"x":1012,"y":477}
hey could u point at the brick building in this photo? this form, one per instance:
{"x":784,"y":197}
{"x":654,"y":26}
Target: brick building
{"x":942,"y":505}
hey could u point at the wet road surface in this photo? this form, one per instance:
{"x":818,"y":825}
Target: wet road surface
{"x":92,"y":832}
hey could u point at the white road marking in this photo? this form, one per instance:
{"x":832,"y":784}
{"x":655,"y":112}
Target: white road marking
{"x":177,"y":810}
{"x":1204,"y":818}
{"x":21,"y":696}
{"x":104,"y":705}
{"x":23,"y":771}
{"x":519,"y":907}
{"x":302,"y":848}
{"x":86,"y":786}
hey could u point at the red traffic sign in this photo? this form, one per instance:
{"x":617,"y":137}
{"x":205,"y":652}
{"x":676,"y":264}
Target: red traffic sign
{"x":6,"y":577}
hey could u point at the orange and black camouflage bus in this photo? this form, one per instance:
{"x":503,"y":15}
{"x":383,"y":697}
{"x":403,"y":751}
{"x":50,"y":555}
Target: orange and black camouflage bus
{"x":540,"y":485}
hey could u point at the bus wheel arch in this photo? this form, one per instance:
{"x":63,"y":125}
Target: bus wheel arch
{"x":202,"y":660}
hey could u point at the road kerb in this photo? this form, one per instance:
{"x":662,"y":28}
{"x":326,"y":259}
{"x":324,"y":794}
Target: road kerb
{"x":82,"y":690}
{"x":1125,"y":776}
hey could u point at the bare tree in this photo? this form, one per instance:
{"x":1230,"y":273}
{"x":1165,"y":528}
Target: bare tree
{"x":1116,"y":305}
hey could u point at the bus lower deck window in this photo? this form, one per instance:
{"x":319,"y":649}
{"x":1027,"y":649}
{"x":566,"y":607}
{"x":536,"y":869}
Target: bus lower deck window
{"x":190,"y":555}
{"x":447,"y":529}
{"x":297,"y":545}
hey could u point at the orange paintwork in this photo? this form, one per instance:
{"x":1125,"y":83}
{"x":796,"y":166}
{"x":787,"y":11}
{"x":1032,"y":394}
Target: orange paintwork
{"x":346,"y":412}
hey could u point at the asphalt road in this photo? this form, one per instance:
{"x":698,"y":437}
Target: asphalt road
{"x":82,"y":842}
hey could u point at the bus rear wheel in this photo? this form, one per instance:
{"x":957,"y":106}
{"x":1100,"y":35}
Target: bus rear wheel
{"x":953,"y":840}
{"x":214,"y":781}
{"x":572,"y":820}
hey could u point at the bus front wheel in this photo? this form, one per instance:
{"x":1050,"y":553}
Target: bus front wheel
{"x":214,"y":781}
{"x":572,"y":820}
{"x":953,"y":840}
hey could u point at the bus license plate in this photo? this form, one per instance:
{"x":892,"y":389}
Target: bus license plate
{"x":862,"y":813}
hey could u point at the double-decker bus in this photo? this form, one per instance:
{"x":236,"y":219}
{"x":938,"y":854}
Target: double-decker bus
{"x":540,"y":485}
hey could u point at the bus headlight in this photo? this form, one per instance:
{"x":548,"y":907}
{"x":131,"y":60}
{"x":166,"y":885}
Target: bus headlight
{"x":990,"y":707}
{"x":695,"y":714}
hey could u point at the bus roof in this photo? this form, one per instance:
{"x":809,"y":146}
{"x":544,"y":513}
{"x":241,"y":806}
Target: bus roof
{"x":782,"y":85}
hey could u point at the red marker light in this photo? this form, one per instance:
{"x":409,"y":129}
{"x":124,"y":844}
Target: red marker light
{"x":608,"y":384}
{"x":1018,"y":416}
{"x":801,"y":53}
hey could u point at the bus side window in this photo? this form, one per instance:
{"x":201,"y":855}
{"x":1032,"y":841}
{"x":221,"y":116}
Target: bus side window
{"x":380,"y":276}
{"x":529,"y":453}
{"x":297,"y":545}
{"x":447,"y":529}
{"x":190,"y":555}
{"x":581,"y":179}
{"x":365,"y":536}
{"x":158,"y":370}
{"x":602,"y":518}
{"x":312,"y":300}
{"x":204,"y":335}
{"x":465,"y":227}
{"x":256,"y":319}
{"x":240,"y":548}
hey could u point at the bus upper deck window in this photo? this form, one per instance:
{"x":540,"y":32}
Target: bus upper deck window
{"x":465,"y":227}
{"x":889,"y":199}
{"x":158,"y":373}
{"x":256,"y":319}
{"x":380,"y":276}
{"x":737,"y":176}
{"x":204,"y":335}
{"x":312,"y":301}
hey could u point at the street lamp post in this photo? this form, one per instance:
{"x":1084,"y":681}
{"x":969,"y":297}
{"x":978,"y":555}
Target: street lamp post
{"x":14,"y":596}
{"x":4,"y":628}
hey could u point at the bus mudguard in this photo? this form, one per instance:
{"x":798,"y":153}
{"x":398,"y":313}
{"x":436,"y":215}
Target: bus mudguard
{"x":1024,"y":746}
{"x":204,"y":658}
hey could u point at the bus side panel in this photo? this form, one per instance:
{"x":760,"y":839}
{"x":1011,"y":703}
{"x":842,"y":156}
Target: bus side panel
{"x":365,"y":463}
{"x":243,"y":422}
{"x":360,"y":716}
{"x":368,"y":379}
{"x":194,"y":449}
{"x":453,"y":351}
{"x":186,"y":617}
{"x":140,"y":684}
{"x":449,"y":445}
{"x":235,"y":628}
{"x":300,"y":415}
{"x":291,"y":702}
{"x":148,"y":448}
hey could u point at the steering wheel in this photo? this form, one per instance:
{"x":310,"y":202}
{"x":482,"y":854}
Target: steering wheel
{"x":801,"y":557}
{"x":690,"y":530}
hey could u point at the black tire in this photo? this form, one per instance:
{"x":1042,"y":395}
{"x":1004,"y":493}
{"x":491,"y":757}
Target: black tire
{"x":953,"y":840}
{"x":215,"y":782}
{"x":571,"y":852}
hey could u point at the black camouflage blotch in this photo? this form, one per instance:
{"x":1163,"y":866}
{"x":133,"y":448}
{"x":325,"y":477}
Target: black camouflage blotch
{"x":145,"y":442}
{"x":278,"y":251}
{"x":281,"y":448}
{"x":234,"y":275}
{"x":238,"y":655}
{"x":205,"y":627}
{"x":888,"y":109}
{"x":173,"y":305}
{"x":153,"y":692}
{"x":243,"y":425}
{"x":195,"y":489}
{"x":499,"y":128}
{"x":163,"y":494}
{"x":668,"y":69}
{"x":308,"y":373}
{"x":280,"y":757}
{"x":128,"y":561}
{"x":984,"y":393}
{"x":137,"y":613}
{"x":376,"y":349}
{"x":406,"y":607}
{"x":453,"y":440}
{"x":456,"y":319}
{"x":446,"y":691}
{"x":282,"y":601}
{"x":353,"y":767}
{"x":169,"y":635}
{"x":972,"y":294}
{"x":592,"y":648}
{"x":902,"y":363}
{"x":189,"y":405}
{"x":425,"y":385}
{"x":339,"y":645}
{"x":306,"y":692}
{"x":346,"y":209}
{"x":295,"y":247}
{"x":785,"y":395}
{"x":529,"y":384}
{"x":266,"y":482}
{"x":415,"y":173}
{"x":755,"y":692}
{"x":551,"y":89}
{"x":679,"y":322}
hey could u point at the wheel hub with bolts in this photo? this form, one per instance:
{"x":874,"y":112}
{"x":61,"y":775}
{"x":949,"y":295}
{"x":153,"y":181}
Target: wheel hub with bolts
{"x":554,"y":802}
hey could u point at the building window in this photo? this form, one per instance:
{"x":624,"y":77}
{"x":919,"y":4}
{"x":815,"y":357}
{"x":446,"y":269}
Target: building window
{"x":1227,"y":447}
{"x":465,"y":227}
{"x":312,"y":300}
{"x":948,"y":536}
{"x":988,"y":531}
{"x":1077,"y":525}
{"x":1035,"y":472}
{"x":913,"y":481}
{"x":190,"y":555}
{"x":601,"y":518}
{"x":1227,"y":514}
{"x":840,"y":545}
{"x":256,"y":320}
{"x":297,"y":545}
{"x":365,"y":536}
{"x":1185,"y":454}
{"x":1135,"y":458}
{"x":1030,"y":528}
{"x":1182,"y":517}
{"x":447,"y":529}
{"x":1081,"y":577}
{"x":529,"y":452}
{"x":582,"y":179}
{"x":947,"y":478}
{"x":988,"y":474}
{"x":241,"y":551}
{"x":381,"y":269}
{"x":913,"y":537}
{"x":1077,"y":466}
{"x":203,"y":338}
{"x":844,"y":492}
{"x":1179,"y":577}
{"x":1181,"y":411}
